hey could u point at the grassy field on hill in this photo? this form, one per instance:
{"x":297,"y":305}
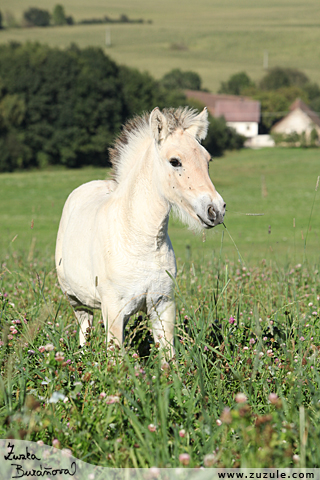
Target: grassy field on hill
{"x":215,"y":39}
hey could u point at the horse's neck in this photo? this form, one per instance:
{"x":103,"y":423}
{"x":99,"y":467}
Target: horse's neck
{"x":145,"y":210}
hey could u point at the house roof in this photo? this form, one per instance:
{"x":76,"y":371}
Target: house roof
{"x":232,"y":107}
{"x":298,"y":103}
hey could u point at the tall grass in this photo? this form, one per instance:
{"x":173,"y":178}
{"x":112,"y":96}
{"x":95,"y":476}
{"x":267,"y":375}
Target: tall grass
{"x":244,"y":387}
{"x":248,"y":330}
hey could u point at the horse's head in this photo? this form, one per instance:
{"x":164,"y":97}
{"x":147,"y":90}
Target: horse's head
{"x":183,"y":172}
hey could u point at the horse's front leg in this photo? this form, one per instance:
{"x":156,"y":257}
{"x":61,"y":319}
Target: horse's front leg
{"x":163,"y":317}
{"x":113,"y":320}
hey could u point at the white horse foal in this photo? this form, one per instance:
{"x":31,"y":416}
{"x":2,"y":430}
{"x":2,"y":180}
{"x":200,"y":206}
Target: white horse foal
{"x":113,"y":250}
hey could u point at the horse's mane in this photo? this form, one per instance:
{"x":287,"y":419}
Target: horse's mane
{"x":137,"y":129}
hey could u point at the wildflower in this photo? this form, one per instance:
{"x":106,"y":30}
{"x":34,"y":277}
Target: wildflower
{"x":252,"y":341}
{"x":261,"y":354}
{"x":102,"y":395}
{"x":56,"y":443}
{"x":182,"y":433}
{"x":31,"y":352}
{"x":184,"y":458}
{"x":112,"y":399}
{"x":296,"y":458}
{"x":40,"y":443}
{"x":152,"y":427}
{"x":302,"y":339}
{"x":241,"y":398}
{"x":231,"y":320}
{"x":209,"y":460}
{"x":154,"y":472}
{"x":41,"y":349}
{"x":59,"y":356}
{"x":135,"y":355}
{"x":56,"y":396}
{"x":315,"y":313}
{"x":265,"y":338}
{"x":273,"y":398}
{"x":218,"y":422}
{"x":270,"y":353}
{"x":245,"y":348}
{"x":310,"y":304}
{"x":66,"y":452}
{"x":49,"y":347}
{"x":206,"y":348}
{"x":226,"y":415}
{"x":165,"y":366}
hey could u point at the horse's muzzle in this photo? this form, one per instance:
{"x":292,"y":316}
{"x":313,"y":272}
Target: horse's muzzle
{"x":214,"y":216}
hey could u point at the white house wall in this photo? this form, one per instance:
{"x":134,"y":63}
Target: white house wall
{"x":247,"y":129}
{"x":296,"y":121}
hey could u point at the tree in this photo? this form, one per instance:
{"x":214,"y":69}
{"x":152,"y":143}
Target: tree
{"x":67,"y":106}
{"x":236,"y":84}
{"x":176,"y":79}
{"x":36,"y":17}
{"x":59,"y":16}
{"x":279,"y":77}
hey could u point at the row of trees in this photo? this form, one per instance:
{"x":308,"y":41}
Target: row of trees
{"x":66,"y":106}
{"x":276,"y":91}
{"x":38,"y":17}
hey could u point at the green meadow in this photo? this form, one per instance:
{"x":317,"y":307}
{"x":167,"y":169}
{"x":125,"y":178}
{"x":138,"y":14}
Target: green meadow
{"x":216,"y":39}
{"x":243,"y":388}
{"x":272,"y":208}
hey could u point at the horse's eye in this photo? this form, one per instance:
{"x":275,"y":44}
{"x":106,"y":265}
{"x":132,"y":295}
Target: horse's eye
{"x":175,"y":162}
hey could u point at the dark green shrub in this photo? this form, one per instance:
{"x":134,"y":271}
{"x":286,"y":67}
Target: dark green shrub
{"x":36,"y":17}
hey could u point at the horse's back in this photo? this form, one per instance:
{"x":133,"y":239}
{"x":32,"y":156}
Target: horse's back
{"x":77,"y":229}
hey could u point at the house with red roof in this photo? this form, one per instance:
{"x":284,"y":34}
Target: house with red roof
{"x":299,"y":119}
{"x":241,"y":113}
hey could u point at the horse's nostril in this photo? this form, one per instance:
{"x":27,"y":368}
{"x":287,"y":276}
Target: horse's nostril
{"x":212,"y":213}
{"x":224,"y":205}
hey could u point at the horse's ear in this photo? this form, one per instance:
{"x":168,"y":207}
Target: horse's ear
{"x":199,"y":125}
{"x":158,"y":125}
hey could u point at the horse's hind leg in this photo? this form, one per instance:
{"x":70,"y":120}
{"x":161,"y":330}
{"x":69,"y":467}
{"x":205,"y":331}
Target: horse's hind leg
{"x":85,"y":319}
{"x":84,"y":316}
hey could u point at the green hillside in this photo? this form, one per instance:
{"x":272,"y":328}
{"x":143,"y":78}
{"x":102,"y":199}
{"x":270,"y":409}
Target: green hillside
{"x":215,"y":38}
